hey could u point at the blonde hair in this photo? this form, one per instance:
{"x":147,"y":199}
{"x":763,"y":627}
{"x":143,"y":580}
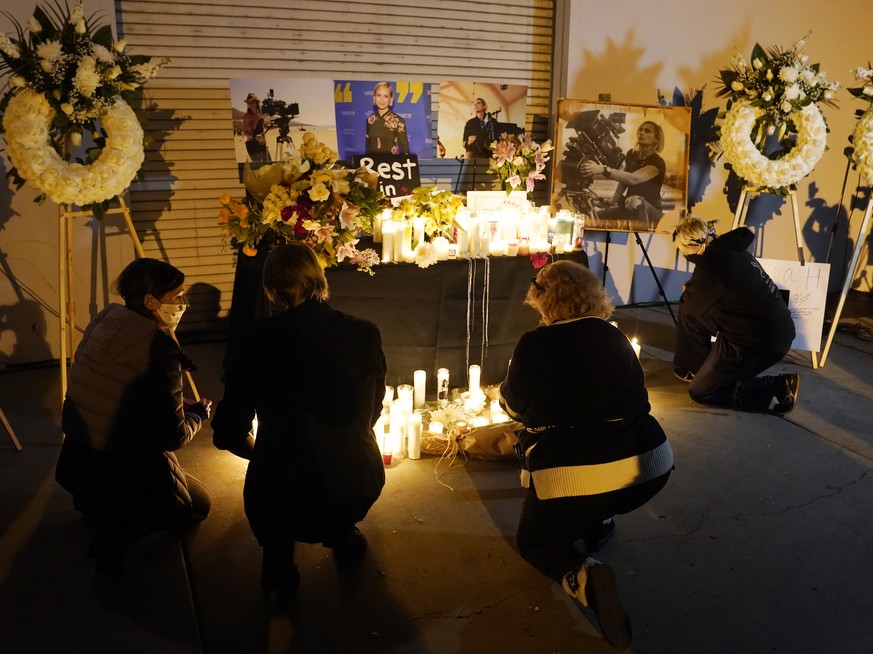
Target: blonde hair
{"x":565,"y":290}
{"x":293,"y":274}
{"x":694,"y":231}
{"x":384,"y":85}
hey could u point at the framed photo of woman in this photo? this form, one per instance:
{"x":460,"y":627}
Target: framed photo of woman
{"x":624,"y":167}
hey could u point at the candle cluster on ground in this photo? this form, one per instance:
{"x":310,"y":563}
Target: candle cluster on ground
{"x":511,"y":229}
{"x":401,"y":424}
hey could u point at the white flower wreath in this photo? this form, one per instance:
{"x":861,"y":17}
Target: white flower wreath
{"x":862,"y":141}
{"x":755,"y":168}
{"x":27,"y":121}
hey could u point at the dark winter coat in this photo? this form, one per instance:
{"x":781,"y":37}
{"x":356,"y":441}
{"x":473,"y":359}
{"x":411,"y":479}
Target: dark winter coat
{"x":730,"y":287}
{"x":123,"y":416}
{"x":315,"y":377}
{"x":579,"y":389}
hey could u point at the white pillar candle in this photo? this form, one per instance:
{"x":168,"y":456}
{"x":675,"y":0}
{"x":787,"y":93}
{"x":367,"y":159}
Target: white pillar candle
{"x":443,"y":385}
{"x":417,"y":231}
{"x":636,"y":346}
{"x":435,"y":427}
{"x":441,"y":245}
{"x":413,"y":436}
{"x":474,"y":376}
{"x":512,"y":248}
{"x":497,"y":418}
{"x":379,"y":433}
{"x":387,"y":241}
{"x":419,"y":382}
{"x":389,"y":395}
{"x":399,"y":233}
{"x":495,"y":406}
{"x":396,"y":430}
{"x":462,"y":233}
{"x":474,"y":247}
{"x":405,"y":395}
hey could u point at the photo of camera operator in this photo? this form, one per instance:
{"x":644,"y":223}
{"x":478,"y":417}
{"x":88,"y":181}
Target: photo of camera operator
{"x":479,"y":132}
{"x":637,"y":198}
{"x":254,"y":128}
{"x":624,"y":167}
{"x":386,"y":131}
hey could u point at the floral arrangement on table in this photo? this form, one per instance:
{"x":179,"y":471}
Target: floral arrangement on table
{"x":439,"y":209}
{"x":774,"y":96}
{"x":306,"y":198}
{"x":66,"y":75}
{"x":861,"y":152}
{"x":517,"y":160}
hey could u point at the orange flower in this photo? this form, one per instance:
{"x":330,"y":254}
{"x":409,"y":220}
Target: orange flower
{"x":249,"y":251}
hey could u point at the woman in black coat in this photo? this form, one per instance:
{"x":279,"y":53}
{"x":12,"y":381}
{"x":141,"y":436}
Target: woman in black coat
{"x":733,"y":324}
{"x":590,"y":448}
{"x":315,"y":379}
{"x":124,"y":415}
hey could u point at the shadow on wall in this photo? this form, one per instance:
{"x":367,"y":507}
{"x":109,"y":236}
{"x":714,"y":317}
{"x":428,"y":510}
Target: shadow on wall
{"x":155,"y":172}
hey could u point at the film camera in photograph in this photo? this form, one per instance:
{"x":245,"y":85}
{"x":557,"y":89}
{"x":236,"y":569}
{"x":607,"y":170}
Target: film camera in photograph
{"x":280,"y":113}
{"x":596,"y":140}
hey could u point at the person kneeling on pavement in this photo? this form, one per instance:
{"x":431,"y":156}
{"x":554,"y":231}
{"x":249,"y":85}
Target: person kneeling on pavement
{"x":733,"y":324}
{"x":590,"y":448}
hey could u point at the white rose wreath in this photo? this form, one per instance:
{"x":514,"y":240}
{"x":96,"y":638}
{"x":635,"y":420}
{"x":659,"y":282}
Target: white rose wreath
{"x":862,"y":141}
{"x":755,"y":168}
{"x":27,"y":121}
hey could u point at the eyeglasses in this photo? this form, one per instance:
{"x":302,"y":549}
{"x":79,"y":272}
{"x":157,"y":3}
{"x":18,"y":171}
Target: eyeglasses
{"x":537,"y":285}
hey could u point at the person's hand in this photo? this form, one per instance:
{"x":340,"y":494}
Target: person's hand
{"x":633,"y":202}
{"x":471,"y":139}
{"x":591,"y":168}
{"x":201,"y":407}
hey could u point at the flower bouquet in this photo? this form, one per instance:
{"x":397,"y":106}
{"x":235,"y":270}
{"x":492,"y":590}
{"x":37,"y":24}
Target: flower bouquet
{"x":65,"y":74}
{"x":773,"y":132}
{"x":306,"y":198}
{"x":517,"y":160}
{"x":438,"y":210}
{"x":861,"y":152}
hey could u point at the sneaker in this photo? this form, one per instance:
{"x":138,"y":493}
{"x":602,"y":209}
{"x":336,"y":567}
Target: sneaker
{"x":604,"y":601}
{"x":594,"y":586}
{"x":683,"y":374}
{"x":787,"y":387}
{"x":599,"y":536}
{"x":352,"y":541}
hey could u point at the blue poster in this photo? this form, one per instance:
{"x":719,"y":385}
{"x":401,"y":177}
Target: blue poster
{"x":383,"y":118}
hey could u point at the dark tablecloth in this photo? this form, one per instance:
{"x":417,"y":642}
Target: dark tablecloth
{"x":430,"y":318}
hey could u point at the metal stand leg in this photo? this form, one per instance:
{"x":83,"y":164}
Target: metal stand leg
{"x":9,"y":429}
{"x":655,"y":275}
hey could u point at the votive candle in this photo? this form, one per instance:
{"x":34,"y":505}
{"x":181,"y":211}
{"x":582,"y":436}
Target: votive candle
{"x":419,"y":382}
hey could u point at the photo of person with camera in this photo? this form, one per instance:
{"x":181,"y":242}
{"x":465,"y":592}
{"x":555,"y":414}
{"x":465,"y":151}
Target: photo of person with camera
{"x":638,"y":187}
{"x":637,"y":197}
{"x":254,"y":128}
{"x":267,"y":116}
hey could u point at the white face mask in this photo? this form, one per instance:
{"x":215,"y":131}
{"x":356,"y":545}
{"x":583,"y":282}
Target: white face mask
{"x":171,"y":314}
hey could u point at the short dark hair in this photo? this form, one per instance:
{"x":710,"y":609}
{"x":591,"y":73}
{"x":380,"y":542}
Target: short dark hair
{"x":293,"y":273}
{"x":144,"y":277}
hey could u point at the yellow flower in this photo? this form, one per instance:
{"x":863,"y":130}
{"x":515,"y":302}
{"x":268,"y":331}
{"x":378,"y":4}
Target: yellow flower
{"x":319,"y":193}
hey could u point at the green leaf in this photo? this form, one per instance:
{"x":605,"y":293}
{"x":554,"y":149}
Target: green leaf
{"x":759,"y":53}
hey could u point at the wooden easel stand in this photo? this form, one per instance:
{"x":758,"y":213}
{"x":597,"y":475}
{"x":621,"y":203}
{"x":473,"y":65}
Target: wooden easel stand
{"x":65,"y":282}
{"x":850,"y":275}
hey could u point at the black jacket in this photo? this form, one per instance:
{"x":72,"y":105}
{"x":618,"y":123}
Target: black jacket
{"x":315,"y":377}
{"x":729,"y":286}
{"x":123,"y":416}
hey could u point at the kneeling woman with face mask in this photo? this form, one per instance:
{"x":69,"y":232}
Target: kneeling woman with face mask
{"x":124,"y":414}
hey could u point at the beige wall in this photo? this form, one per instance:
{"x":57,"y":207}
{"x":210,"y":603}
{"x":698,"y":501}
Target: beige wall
{"x":632,"y":50}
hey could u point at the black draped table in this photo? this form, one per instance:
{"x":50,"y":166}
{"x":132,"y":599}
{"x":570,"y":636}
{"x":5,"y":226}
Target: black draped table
{"x":449,"y":315}
{"x":452,"y":314}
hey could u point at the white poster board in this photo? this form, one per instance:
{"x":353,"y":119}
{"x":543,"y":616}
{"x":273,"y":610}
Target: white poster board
{"x":807,"y":287}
